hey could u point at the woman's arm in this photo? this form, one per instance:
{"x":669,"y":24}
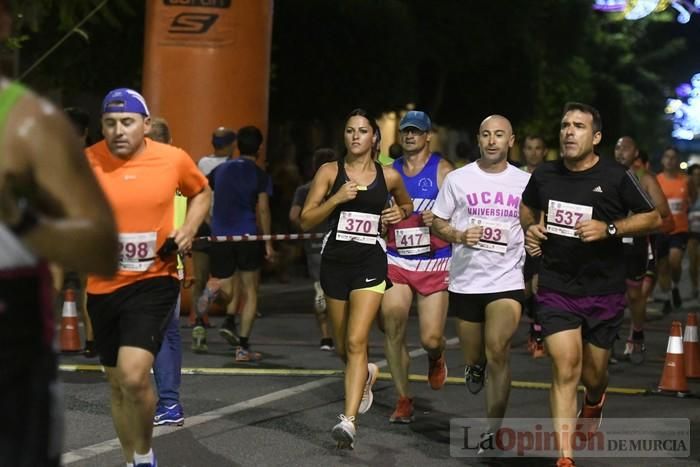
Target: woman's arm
{"x":403,"y":205}
{"x":317,"y":208}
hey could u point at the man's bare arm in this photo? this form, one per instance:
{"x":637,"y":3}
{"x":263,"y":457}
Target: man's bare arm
{"x":532,"y":222}
{"x":445,"y":231}
{"x":444,"y":167}
{"x":639,"y":224}
{"x":295,"y":216}
{"x":263,"y":210}
{"x":76,"y":228}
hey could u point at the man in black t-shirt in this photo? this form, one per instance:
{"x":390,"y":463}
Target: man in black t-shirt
{"x":585,"y":200}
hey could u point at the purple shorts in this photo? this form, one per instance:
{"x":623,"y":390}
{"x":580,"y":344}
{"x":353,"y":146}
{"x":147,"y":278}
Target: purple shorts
{"x":599,"y":316}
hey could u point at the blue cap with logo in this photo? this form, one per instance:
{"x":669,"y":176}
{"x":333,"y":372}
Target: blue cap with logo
{"x":124,"y":100}
{"x":416,"y":119}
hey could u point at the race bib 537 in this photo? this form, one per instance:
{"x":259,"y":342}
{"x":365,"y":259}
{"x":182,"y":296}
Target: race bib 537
{"x":562,"y":217}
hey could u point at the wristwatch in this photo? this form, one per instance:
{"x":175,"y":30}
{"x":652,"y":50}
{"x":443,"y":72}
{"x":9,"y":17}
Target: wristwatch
{"x":612,"y":230}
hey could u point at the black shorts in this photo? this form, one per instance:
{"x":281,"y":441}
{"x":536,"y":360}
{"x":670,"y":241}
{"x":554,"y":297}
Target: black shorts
{"x":31,"y":408}
{"x":135,"y":315}
{"x":531,"y":267}
{"x":338,"y":279}
{"x":664,"y":243}
{"x":30,"y":411}
{"x":636,"y":259}
{"x":225,"y":258}
{"x":472,"y":307}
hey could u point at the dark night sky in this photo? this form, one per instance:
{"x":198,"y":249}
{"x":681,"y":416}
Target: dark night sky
{"x":459,"y":60}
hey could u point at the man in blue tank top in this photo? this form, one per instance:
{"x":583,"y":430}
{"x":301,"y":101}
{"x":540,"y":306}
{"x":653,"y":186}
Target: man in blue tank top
{"x":418,"y":262}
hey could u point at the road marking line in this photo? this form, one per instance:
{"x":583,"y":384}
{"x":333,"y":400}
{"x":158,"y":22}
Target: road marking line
{"x":301,"y":372}
{"x":97,"y":449}
{"x":113,"y":444}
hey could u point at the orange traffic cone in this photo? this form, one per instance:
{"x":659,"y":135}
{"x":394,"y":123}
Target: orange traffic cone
{"x":70,"y":335}
{"x":673,"y":376}
{"x":691,"y":347}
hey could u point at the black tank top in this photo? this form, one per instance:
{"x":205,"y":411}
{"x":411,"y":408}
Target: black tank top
{"x":354,"y":225}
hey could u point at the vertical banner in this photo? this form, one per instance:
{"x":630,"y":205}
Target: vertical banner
{"x":207,"y":64}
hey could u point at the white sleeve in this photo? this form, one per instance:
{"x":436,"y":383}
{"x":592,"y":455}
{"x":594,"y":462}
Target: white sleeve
{"x":445,"y":203}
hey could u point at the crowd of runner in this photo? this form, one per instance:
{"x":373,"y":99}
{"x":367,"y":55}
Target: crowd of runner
{"x":569,"y":242}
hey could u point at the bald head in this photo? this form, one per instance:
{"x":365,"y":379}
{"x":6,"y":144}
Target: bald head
{"x":495,"y":140}
{"x":222,"y":132}
{"x":498,"y":121}
{"x":222,"y":140}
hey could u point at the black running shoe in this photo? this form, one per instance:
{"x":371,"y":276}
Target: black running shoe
{"x":474,"y":376}
{"x":228,"y":331}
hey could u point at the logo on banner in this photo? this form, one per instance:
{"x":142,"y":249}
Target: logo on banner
{"x":184,"y":26}
{"x":192,"y":23}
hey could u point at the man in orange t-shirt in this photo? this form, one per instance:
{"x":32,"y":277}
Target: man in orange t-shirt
{"x":130,"y":310}
{"x":670,"y":247}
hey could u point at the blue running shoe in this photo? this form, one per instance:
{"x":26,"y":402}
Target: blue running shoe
{"x":172,"y":415}
{"x":148,"y":464}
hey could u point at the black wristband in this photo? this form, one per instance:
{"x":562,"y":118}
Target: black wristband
{"x":27,"y":221}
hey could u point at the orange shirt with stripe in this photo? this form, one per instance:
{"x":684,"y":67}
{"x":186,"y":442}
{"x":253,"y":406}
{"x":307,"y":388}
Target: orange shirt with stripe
{"x":140,"y":191}
{"x":676,"y":191}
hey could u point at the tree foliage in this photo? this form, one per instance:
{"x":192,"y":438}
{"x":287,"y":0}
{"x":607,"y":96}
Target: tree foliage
{"x":106,"y":51}
{"x":459,"y":60}
{"x":464,"y":60}
{"x":34,"y":14}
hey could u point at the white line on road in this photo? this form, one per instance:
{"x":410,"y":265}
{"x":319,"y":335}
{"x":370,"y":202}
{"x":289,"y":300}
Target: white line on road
{"x":104,"y":447}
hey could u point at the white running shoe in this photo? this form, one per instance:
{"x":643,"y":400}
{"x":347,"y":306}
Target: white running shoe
{"x":367,"y":396}
{"x":344,"y":432}
{"x":486,"y":442}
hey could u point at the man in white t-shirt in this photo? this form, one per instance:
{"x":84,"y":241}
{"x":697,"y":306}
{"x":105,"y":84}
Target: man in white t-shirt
{"x":477,"y":210}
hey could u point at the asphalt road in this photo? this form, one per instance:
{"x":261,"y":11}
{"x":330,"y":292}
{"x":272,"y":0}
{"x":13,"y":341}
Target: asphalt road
{"x":279,"y":412}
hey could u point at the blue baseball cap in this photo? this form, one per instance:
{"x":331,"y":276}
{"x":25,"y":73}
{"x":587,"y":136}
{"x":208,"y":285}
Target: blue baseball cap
{"x":125,"y":100}
{"x":416,"y":119}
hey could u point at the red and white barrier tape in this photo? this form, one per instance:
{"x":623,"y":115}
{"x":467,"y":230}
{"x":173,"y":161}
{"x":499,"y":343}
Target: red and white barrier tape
{"x":257,"y":238}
